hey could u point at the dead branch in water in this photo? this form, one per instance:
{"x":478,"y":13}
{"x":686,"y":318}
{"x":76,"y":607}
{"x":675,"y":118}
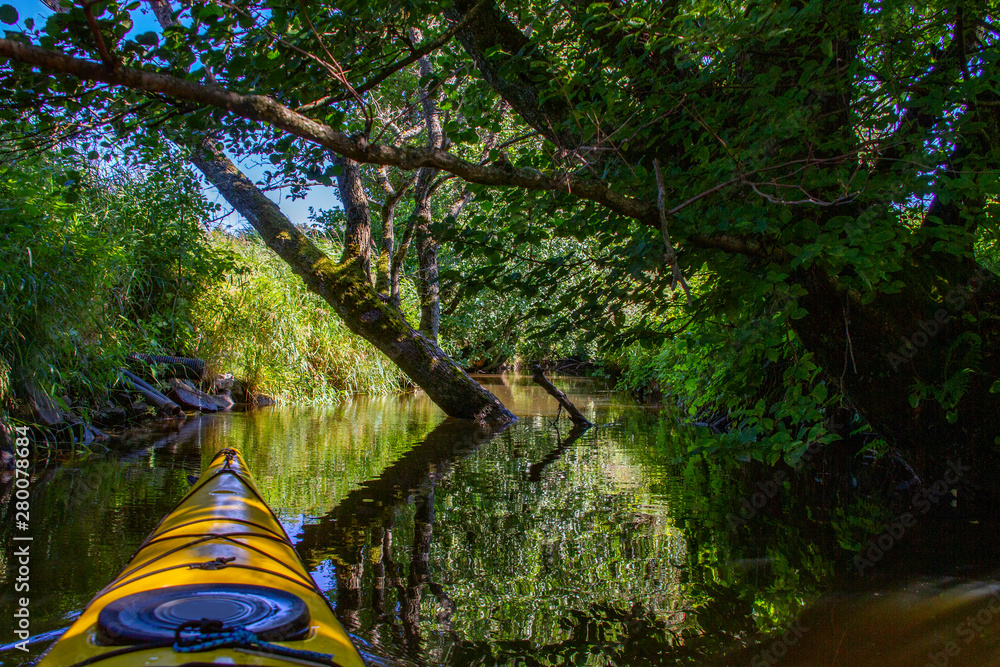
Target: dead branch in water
{"x":539,"y":377}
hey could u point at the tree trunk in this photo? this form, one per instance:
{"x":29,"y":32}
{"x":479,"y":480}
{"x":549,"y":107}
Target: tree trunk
{"x":427,"y":248}
{"x":357,"y":303}
{"x":384,"y":260}
{"x":428,"y":287}
{"x":383,"y":282}
{"x":428,"y":284}
{"x":398,"y":257}
{"x":347,"y":288}
{"x":358,"y":232}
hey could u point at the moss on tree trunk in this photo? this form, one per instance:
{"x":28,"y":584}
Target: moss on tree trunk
{"x":347,"y":287}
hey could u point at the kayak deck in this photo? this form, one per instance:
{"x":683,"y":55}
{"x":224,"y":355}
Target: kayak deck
{"x":219,"y":562}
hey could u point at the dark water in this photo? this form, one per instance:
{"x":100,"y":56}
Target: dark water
{"x":443,"y":544}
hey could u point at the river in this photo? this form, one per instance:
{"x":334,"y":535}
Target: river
{"x":442,"y":544}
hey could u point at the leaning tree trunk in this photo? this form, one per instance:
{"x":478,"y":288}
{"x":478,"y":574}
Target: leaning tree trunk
{"x":347,"y":287}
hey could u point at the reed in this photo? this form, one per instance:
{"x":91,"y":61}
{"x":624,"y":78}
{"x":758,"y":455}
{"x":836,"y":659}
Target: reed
{"x":94,"y":265}
{"x":262,"y":324}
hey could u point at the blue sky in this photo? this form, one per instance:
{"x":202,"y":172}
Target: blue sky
{"x":298,"y":211}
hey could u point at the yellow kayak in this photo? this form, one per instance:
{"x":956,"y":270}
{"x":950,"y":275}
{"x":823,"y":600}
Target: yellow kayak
{"x":217,"y":582}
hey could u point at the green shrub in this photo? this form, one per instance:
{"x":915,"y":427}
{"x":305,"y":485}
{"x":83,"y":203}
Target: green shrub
{"x":752,"y":378}
{"x":94,"y":265}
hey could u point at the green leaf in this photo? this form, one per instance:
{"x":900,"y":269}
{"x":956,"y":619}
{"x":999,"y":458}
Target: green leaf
{"x":8,"y":14}
{"x":819,"y":393}
{"x":148,"y":39}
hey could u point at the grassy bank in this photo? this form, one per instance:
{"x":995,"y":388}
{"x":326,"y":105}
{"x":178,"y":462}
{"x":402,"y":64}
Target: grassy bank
{"x":261,"y":324}
{"x":94,"y":266}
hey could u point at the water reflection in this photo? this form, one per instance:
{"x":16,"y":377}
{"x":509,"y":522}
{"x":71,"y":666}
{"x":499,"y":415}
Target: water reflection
{"x":535,"y":470}
{"x":342,"y":531}
{"x":459,"y":549}
{"x":441,"y":543}
{"x":360,"y":529}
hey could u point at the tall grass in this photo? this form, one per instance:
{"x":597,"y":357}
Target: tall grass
{"x":262,"y":324}
{"x":91,"y":267}
{"x":96,"y":265}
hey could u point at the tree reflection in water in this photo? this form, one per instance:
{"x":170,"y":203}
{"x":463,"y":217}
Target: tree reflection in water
{"x":531,"y":546}
{"x":449,"y":559}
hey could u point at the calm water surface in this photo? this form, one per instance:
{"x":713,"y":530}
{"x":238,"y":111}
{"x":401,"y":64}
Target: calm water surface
{"x":442,"y":544}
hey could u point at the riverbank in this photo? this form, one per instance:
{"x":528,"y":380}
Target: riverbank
{"x":96,"y":266}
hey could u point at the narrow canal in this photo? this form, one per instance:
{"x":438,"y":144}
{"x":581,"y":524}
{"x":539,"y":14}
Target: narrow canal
{"x":442,"y":544}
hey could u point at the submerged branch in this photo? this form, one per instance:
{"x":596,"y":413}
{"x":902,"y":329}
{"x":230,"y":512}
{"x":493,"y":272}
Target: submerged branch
{"x":539,"y":377}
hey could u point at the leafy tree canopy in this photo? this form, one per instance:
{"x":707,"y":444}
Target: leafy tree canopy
{"x":828,"y":164}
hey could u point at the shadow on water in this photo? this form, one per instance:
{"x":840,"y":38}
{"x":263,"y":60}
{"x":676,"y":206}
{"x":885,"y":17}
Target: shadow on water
{"x":441,"y":543}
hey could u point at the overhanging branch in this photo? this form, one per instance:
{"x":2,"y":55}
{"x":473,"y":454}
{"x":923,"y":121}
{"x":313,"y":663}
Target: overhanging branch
{"x":265,"y":109}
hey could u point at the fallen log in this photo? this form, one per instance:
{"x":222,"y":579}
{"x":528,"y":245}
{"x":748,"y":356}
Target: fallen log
{"x":192,"y":398}
{"x":183,"y":367}
{"x":161,"y":402}
{"x":539,"y":377}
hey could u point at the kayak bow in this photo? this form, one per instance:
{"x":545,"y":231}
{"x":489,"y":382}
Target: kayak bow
{"x":216,"y":582}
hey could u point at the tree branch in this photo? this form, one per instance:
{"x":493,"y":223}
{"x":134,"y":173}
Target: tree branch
{"x":539,"y":377}
{"x":417,"y":54}
{"x":109,"y":61}
{"x":489,"y":30}
{"x":265,"y":109}
{"x":671,"y":254}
